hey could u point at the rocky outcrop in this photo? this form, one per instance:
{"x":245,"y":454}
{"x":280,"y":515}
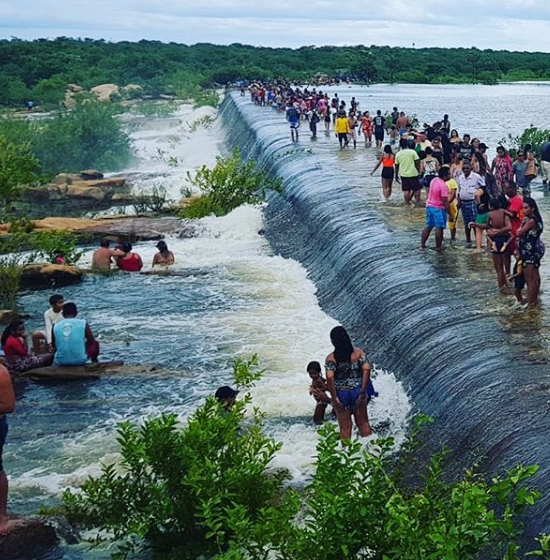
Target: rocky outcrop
{"x":43,"y":276}
{"x":29,"y":539}
{"x":86,"y":372}
{"x":86,"y":191}
{"x":9,"y":315}
{"x":105,"y":92}
{"x":117,"y":229}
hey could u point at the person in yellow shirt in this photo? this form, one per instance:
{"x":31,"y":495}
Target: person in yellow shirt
{"x":342,"y":129}
{"x":453,"y":208}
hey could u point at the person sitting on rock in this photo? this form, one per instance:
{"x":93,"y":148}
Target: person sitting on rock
{"x":130,"y":262}
{"x":52,"y":316}
{"x":164,"y":257}
{"x":73,"y":339}
{"x":102,"y":257}
{"x":7,"y":405}
{"x":14,"y":343}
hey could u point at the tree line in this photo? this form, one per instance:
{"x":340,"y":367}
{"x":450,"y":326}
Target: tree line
{"x":40,"y":70}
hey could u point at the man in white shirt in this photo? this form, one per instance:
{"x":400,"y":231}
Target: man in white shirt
{"x":468,"y":183}
{"x":52,"y":316}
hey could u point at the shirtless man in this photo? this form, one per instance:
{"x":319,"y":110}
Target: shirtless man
{"x":101,"y":259}
{"x":7,"y":405}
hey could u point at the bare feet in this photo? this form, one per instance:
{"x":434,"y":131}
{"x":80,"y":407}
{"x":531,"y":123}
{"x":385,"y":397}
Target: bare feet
{"x":6,"y":526}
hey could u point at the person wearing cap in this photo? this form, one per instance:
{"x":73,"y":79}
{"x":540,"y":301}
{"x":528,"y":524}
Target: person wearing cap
{"x":226,"y":396}
{"x":164,"y":257}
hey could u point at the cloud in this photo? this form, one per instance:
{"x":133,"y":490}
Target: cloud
{"x":506,"y":24}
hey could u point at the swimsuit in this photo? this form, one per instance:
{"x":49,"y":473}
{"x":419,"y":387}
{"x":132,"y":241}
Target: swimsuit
{"x":348,"y":378}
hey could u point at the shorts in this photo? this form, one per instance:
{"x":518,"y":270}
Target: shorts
{"x":388,"y":173}
{"x":294,"y":124}
{"x":348,"y":397}
{"x":482,"y":218}
{"x":379,"y":134}
{"x":436,"y":218}
{"x":469,"y":211}
{"x":343,"y":136}
{"x":3,"y":435}
{"x":410,"y":184}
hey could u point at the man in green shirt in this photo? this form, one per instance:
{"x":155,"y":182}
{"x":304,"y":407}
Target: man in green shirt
{"x":407,"y":171}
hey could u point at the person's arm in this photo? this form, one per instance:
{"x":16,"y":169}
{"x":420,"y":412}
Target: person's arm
{"x":7,"y":396}
{"x":331,"y":387}
{"x":418,"y":164}
{"x":49,"y":327}
{"x":365,"y":381}
{"x":52,"y":345}
{"x":493,"y":165}
{"x":506,"y":228}
{"x":524,"y":228}
{"x":117,"y":253}
{"x":155,"y":259}
{"x":377,"y":165}
{"x":447,"y":204}
{"x":88,"y":334}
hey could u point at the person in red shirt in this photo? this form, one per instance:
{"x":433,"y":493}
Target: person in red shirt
{"x":515,"y":211}
{"x":14,"y":343}
{"x":130,"y":262}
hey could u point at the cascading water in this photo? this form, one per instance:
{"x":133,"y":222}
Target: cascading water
{"x":473,"y":360}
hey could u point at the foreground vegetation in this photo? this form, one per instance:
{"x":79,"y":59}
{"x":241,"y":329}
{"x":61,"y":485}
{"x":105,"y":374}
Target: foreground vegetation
{"x":206,"y":489}
{"x":40,"y":70}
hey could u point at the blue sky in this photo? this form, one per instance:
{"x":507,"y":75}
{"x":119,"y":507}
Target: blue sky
{"x":505,"y":24}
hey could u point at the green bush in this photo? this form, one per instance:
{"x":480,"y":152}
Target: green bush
{"x":89,"y":136}
{"x":204,"y":490}
{"x":534,"y":136}
{"x":18,"y":167}
{"x":229,"y":184}
{"x":176,"y":484}
{"x":10,"y":281}
{"x":207,"y":98}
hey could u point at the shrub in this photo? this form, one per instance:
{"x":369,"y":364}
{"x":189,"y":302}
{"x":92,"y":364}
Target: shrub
{"x":18,"y":167}
{"x":154,"y":201}
{"x":10,"y":280}
{"x":204,"y":491}
{"x":179,"y":488}
{"x":229,"y":184}
{"x":207,"y":98}
{"x":534,"y":136}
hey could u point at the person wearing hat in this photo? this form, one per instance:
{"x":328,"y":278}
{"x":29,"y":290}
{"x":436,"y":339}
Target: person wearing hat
{"x":226,"y":396}
{"x":164,"y":257}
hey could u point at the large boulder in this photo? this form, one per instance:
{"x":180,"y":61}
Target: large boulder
{"x":43,"y":276}
{"x":105,"y":92}
{"x":29,"y":539}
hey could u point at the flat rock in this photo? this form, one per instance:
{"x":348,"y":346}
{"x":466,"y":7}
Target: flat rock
{"x":29,"y":539}
{"x":43,"y":275}
{"x":119,"y":229}
{"x":9,"y":315}
{"x":85,"y":372}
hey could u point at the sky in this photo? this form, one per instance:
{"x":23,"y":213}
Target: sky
{"x":522,"y":25}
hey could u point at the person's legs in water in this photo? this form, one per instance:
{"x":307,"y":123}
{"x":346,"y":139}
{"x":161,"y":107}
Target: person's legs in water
{"x":362,"y":419}
{"x":343,"y":416}
{"x":498,"y":264}
{"x":439,"y":239}
{"x":5,"y":525}
{"x":532,"y":279}
{"x":425,"y":236}
{"x":386,"y":188}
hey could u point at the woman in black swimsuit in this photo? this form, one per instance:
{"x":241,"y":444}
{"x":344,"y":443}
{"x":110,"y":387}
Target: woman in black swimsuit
{"x":348,"y":379}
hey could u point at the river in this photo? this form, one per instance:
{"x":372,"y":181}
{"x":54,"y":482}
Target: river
{"x":473,"y":359}
{"x":239,"y":297}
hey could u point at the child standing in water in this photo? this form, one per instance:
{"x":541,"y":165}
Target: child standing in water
{"x":518,"y":277}
{"x":387,"y":161}
{"x":318,"y":390}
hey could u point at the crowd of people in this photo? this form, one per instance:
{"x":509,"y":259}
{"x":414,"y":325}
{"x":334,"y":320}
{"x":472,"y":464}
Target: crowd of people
{"x":493,"y":197}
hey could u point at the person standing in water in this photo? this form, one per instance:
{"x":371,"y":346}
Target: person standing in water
{"x":293,"y":118}
{"x":468,"y":184}
{"x":531,"y":249}
{"x":379,"y":128}
{"x":164,"y":257}
{"x":387,"y":161}
{"x":318,"y":390}
{"x":7,"y":406}
{"x":102,"y":257}
{"x":342,"y":129}
{"x":348,"y":378}
{"x":407,"y":170}
{"x":437,"y":208}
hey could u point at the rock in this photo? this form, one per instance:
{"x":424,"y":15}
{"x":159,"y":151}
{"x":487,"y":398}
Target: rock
{"x":105,"y":92}
{"x":119,"y":229}
{"x":90,"y":174}
{"x":42,"y":276}
{"x":65,"y":178}
{"x":81,"y":191}
{"x":132,"y":91}
{"x":74,"y":88}
{"x":68,"y":373}
{"x":29,"y":539}
{"x":8,"y":315}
